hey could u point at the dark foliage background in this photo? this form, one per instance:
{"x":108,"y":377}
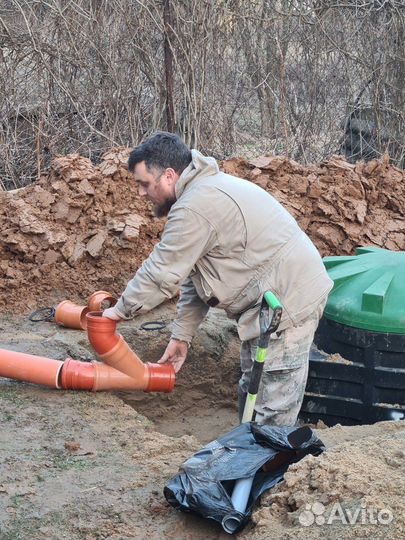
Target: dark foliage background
{"x":302,"y":78}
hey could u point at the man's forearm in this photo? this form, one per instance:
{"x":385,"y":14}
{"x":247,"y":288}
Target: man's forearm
{"x":191,"y":311}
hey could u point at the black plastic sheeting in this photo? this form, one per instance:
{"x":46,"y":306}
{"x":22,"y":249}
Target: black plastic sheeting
{"x":205,"y":481}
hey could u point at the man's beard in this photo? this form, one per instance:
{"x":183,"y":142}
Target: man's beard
{"x":161,"y":210}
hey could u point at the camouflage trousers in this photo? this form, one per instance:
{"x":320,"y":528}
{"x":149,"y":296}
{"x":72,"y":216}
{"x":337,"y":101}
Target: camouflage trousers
{"x":285,"y":372}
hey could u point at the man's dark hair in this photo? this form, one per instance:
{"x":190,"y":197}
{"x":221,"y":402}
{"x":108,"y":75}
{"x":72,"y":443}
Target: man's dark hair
{"x":162,"y":150}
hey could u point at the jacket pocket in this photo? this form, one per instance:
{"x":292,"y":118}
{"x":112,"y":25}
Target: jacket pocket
{"x":210,"y":286}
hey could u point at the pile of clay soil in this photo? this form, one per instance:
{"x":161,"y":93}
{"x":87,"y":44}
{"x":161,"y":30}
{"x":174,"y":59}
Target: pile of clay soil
{"x":339,"y":205}
{"x":78,"y":229}
{"x":82,"y":227}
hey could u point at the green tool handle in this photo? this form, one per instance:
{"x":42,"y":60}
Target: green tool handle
{"x":266,"y":329}
{"x":269,"y":301}
{"x":254,"y":383}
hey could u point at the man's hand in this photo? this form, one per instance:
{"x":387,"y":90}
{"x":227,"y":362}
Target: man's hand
{"x":175,"y":353}
{"x":110,"y":313}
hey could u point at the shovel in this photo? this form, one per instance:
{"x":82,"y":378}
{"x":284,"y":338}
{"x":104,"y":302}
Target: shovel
{"x":242,"y":488}
{"x":266,"y":329}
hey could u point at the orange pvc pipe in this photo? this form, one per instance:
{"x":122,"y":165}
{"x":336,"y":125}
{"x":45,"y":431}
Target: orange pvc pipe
{"x":95,"y":376}
{"x":108,"y":378}
{"x":112,"y":349}
{"x":123,"y":369}
{"x":77,"y":375}
{"x":162,"y":377}
{"x":122,"y":358}
{"x":71,"y":315}
{"x":101,"y":332}
{"x":95,"y":301}
{"x":70,"y":374}
{"x":30,"y":368}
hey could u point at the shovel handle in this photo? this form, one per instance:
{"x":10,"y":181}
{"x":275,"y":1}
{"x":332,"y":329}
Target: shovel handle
{"x":269,"y":301}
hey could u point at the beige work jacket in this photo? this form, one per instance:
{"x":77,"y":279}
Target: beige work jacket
{"x":226,"y":241}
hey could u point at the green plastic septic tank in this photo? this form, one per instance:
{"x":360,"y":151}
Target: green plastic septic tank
{"x":369,"y":290}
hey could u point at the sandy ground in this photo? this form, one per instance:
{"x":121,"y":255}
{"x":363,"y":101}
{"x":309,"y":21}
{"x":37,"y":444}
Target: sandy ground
{"x":90,"y":466}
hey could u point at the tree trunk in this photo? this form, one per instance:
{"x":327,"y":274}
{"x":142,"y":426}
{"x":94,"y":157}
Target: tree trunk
{"x":168,"y":53}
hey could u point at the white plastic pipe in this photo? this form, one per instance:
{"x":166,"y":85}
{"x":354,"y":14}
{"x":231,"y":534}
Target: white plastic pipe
{"x":241,"y":493}
{"x":240,"y":497}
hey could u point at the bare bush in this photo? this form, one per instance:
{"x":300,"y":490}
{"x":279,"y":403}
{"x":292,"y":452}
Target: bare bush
{"x":304,"y":78}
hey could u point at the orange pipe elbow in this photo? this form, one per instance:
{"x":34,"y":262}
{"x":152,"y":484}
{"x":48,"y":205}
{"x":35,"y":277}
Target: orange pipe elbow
{"x":30,"y":368}
{"x":71,"y":315}
{"x":112,"y":349}
{"x":101,"y":332}
{"x":95,"y":301}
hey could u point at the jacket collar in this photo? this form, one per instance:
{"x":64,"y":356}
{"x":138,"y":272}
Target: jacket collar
{"x":200,"y":166}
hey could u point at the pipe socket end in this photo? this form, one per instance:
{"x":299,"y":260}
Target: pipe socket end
{"x":71,"y":315}
{"x":230,"y":524}
{"x":161,"y":378}
{"x":76,"y":375}
{"x":96,"y":320}
{"x":98,"y":298}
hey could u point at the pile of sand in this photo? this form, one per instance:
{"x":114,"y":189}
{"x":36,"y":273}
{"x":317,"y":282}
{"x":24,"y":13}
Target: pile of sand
{"x":353,"y":490}
{"x":83,"y":227}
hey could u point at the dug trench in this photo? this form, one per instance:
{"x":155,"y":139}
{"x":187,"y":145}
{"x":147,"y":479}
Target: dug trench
{"x":203,"y":402}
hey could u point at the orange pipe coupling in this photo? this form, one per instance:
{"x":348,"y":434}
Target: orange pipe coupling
{"x":95,"y":301}
{"x":30,"y":368}
{"x":112,"y":349}
{"x":71,"y":315}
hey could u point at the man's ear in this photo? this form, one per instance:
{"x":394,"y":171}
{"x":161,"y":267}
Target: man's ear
{"x":171,"y":176}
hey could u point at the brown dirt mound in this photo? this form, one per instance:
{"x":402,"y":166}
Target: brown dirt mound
{"x":339,"y":205}
{"x":83,"y":227}
{"x":78,"y":229}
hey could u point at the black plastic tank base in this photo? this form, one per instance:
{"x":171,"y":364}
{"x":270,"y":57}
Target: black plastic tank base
{"x":366,"y":386}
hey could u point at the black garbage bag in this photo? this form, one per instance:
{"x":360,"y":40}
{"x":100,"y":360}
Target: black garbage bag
{"x":205,"y":481}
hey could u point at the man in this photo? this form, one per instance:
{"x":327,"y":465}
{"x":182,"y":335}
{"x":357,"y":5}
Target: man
{"x":225,"y":243}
